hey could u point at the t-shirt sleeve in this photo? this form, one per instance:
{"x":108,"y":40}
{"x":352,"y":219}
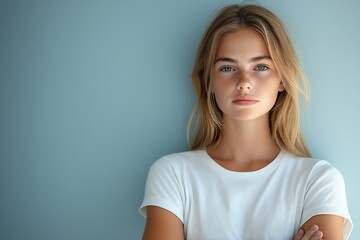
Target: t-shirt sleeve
{"x":326,"y":194}
{"x":163,"y":188}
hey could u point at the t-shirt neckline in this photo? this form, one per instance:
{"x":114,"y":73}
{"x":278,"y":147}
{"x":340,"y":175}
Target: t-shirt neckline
{"x":217,"y":167}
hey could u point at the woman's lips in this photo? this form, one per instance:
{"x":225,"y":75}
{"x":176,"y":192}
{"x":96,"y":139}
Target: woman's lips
{"x":245,"y":101}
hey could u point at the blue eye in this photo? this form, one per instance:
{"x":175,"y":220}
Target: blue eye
{"x":261,"y":68}
{"x":226,"y":69}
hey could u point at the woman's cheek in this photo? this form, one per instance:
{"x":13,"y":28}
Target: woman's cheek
{"x":263,"y":75}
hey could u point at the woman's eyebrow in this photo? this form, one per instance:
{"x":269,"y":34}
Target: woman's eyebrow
{"x":231,"y":60}
{"x":225,"y":59}
{"x":259,"y":58}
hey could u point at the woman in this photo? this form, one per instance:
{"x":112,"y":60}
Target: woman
{"x":249,"y":174}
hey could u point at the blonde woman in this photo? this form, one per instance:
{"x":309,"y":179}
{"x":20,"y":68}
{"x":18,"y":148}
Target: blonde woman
{"x":249,"y":174}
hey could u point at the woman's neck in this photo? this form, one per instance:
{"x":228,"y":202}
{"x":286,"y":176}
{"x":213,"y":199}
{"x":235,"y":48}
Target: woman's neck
{"x":245,"y":144}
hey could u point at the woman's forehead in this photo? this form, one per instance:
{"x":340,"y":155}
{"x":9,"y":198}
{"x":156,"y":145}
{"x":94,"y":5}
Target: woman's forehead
{"x":245,"y":42}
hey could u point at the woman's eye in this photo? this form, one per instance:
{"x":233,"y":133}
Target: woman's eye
{"x":261,"y":68}
{"x":227,"y":69}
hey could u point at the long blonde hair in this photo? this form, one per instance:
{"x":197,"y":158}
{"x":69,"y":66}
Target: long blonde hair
{"x":284,"y":117}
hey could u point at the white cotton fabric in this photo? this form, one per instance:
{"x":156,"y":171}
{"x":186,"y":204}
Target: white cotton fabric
{"x":270,"y":203}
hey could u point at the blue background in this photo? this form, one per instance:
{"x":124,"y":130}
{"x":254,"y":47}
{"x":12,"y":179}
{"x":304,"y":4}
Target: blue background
{"x":93,"y":92}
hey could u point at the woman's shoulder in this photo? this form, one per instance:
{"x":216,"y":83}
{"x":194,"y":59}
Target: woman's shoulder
{"x":311,"y":165}
{"x":180,"y":159}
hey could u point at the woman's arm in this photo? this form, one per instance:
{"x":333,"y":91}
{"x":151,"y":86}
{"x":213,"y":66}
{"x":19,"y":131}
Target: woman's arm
{"x":330,"y":225}
{"x":162,"y":225}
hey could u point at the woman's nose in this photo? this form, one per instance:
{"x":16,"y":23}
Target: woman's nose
{"x":244,"y":82}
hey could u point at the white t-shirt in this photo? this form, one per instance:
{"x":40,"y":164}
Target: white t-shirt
{"x":270,"y":203}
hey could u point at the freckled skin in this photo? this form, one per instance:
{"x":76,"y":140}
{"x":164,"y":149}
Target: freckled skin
{"x":244,"y":68}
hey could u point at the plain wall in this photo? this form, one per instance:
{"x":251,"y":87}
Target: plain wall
{"x":93,"y":92}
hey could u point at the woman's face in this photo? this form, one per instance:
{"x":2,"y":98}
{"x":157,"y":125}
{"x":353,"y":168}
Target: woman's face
{"x":246,"y":83}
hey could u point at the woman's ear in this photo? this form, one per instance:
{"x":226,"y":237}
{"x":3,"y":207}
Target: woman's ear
{"x":212,"y":88}
{"x":281,"y":87}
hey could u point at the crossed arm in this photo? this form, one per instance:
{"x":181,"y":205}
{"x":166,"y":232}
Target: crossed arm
{"x":162,"y":224}
{"x":331,"y":226}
